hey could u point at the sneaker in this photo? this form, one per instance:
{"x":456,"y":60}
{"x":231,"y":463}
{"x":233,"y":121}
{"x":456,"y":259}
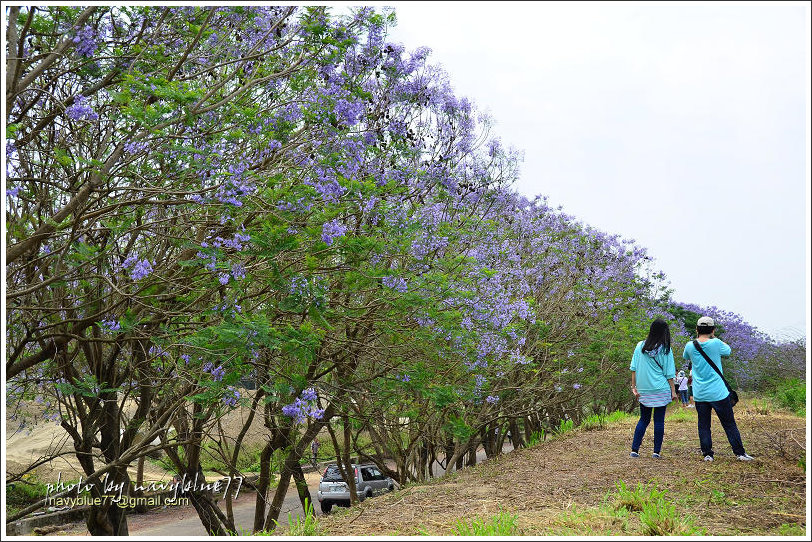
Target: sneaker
{"x":634,"y":454}
{"x":691,"y":406}
{"x":745,"y":457}
{"x":708,"y":458}
{"x":655,"y":455}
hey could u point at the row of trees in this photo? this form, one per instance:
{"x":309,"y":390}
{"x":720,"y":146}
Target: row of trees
{"x":201,"y":197}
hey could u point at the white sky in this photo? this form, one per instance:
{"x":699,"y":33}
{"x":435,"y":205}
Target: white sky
{"x":682,"y":126}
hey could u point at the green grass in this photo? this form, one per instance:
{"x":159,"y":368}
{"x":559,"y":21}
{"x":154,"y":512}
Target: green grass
{"x":618,"y":416}
{"x":681,"y":415}
{"x":307,"y":526}
{"x":791,"y":529}
{"x":24,"y":493}
{"x":502,"y":524}
{"x":604,"y":520}
{"x":565,"y":426}
{"x":536,"y":437}
{"x":636,"y":499}
{"x":790,"y":394}
{"x":660,"y":518}
{"x":596,"y":421}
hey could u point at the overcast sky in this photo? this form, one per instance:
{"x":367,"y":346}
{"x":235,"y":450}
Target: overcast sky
{"x":682,"y":126}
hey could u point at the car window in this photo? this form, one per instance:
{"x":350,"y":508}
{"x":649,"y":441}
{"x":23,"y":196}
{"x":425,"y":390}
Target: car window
{"x":367,"y":473}
{"x":376,"y":474}
{"x":332,"y":474}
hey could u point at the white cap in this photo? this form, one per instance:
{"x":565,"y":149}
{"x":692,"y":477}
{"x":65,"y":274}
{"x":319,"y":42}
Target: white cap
{"x":705,"y":321}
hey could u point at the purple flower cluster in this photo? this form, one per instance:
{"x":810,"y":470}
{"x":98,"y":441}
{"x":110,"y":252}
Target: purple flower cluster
{"x":305,"y":406}
{"x":396,"y":283}
{"x":85,"y":41}
{"x":136,"y":147}
{"x":348,"y":112}
{"x":138,"y":268}
{"x":217,"y":373}
{"x":332,"y":230}
{"x":231,"y":396}
{"x":299,"y":286}
{"x":81,"y":110}
{"x":111,"y":325}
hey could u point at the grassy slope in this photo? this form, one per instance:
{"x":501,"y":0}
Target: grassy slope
{"x":568,"y":486}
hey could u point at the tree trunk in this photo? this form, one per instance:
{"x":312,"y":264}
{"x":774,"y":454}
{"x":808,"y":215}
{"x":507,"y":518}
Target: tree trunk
{"x":263,"y":483}
{"x":302,"y":489}
{"x":471,"y":457}
{"x":279,"y":496}
{"x":516,"y":436}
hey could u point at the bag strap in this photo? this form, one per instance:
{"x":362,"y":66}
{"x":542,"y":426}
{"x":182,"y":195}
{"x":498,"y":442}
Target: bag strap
{"x":712,"y":364}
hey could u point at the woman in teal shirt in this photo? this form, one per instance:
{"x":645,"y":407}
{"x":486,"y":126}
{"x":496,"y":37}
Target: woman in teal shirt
{"x":653,"y":383}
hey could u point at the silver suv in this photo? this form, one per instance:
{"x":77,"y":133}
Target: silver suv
{"x":369,"y":481}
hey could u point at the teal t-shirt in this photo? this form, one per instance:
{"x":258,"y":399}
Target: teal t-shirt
{"x":650,"y":377}
{"x":708,"y":386}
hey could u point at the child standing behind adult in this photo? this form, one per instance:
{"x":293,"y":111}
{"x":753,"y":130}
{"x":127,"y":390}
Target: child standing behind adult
{"x":682,"y":388}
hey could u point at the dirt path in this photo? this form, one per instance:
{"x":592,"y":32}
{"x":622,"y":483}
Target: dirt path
{"x":562,"y":486}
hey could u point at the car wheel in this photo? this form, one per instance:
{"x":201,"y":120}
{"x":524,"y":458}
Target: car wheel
{"x":326,"y":507}
{"x":390,"y":488}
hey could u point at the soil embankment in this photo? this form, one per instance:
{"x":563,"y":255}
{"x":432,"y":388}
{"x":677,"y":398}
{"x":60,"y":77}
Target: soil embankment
{"x":568,"y":485}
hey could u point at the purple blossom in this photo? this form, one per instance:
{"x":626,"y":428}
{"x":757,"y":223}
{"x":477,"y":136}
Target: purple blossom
{"x":308,"y":394}
{"x":238,"y":271}
{"x":576,"y":386}
{"x":12,"y":192}
{"x":331,"y":230}
{"x":294,"y":411}
{"x":347,"y":112}
{"x":111,"y":325}
{"x":396,"y":283}
{"x":404,"y":378}
{"x":136,"y":147}
{"x":141,"y":269}
{"x":492,"y":399}
{"x":303,"y":407}
{"x":224,"y":278}
{"x":85,"y":40}
{"x":231,"y":396}
{"x":217,"y":373}
{"x":81,"y":110}
{"x":299,"y":286}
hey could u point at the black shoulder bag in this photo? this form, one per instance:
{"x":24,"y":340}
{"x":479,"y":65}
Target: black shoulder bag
{"x":734,"y":397}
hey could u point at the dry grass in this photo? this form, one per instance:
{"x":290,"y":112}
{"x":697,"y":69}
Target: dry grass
{"x":564,"y":486}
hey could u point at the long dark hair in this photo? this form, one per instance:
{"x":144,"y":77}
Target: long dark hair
{"x":658,"y":335}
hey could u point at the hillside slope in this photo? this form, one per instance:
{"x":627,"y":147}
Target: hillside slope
{"x":568,"y":485}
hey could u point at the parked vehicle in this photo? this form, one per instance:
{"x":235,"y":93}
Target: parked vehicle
{"x":369,"y":481}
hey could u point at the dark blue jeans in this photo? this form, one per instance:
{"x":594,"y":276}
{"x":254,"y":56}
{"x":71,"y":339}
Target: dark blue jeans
{"x":683,"y":395}
{"x":659,"y":427}
{"x":724,"y":411}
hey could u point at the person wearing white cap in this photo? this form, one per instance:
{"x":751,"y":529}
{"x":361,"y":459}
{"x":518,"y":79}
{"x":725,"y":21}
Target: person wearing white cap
{"x":710,"y":391}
